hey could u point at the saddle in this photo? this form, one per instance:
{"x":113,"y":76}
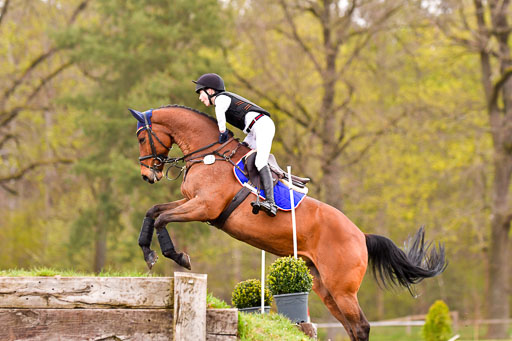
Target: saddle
{"x":276,"y":171}
{"x":246,"y":169}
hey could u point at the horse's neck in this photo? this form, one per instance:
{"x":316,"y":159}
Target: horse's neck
{"x":189,"y":130}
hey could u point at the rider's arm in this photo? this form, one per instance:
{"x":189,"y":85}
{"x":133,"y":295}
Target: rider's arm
{"x":221,"y":106}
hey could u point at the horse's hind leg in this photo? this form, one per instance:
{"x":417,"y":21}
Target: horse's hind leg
{"x":345,"y":310}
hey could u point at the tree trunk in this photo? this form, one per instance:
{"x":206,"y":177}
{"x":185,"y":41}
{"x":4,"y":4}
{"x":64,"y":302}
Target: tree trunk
{"x":498,"y":292}
{"x":100,"y":253}
{"x":332,"y":162}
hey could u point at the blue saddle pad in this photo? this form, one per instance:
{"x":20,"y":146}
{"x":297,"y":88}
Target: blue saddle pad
{"x":281,"y":191}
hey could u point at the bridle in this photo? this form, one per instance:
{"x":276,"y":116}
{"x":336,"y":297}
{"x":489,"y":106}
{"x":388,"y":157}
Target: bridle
{"x":193,"y":159}
{"x":160,"y":158}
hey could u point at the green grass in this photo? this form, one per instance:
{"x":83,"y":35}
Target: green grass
{"x":263,"y":327}
{"x":49,"y":272}
{"x":467,"y":333}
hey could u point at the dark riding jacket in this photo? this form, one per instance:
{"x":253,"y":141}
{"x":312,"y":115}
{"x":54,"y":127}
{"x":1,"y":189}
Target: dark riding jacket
{"x":238,"y":108}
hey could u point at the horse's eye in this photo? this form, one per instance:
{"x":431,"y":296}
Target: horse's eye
{"x":141,"y":141}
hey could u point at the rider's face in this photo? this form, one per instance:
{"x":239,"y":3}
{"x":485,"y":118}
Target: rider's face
{"x":203,"y":97}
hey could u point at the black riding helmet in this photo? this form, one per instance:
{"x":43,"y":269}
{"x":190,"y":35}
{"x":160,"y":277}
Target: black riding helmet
{"x":210,"y":81}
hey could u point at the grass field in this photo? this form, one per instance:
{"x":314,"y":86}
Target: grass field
{"x":467,"y":333}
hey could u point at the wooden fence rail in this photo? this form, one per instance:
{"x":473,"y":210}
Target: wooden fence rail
{"x":111,"y":308}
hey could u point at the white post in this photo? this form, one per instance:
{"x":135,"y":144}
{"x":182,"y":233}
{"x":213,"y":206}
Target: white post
{"x":294,"y":225}
{"x":262,"y":282}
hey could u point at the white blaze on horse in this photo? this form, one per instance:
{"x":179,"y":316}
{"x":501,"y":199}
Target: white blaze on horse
{"x":335,"y":249}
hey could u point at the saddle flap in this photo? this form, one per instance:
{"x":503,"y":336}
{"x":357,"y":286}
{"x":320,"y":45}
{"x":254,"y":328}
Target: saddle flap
{"x":276,"y":171}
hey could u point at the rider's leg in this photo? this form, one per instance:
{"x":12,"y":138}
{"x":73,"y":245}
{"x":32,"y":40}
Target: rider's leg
{"x":263,"y":131}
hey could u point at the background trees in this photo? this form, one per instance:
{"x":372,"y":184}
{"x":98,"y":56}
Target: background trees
{"x":396,"y":109}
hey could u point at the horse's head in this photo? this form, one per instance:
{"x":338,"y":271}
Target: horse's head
{"x":154,"y":146}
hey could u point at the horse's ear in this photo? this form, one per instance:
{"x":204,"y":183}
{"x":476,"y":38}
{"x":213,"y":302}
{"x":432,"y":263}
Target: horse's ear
{"x":137,"y":115}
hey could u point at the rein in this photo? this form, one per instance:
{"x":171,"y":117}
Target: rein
{"x":201,"y":158}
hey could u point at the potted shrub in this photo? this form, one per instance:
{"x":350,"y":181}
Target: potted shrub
{"x":247,"y":296}
{"x":290,"y":282}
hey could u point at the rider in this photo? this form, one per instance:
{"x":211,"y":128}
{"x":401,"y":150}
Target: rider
{"x":251,"y":119}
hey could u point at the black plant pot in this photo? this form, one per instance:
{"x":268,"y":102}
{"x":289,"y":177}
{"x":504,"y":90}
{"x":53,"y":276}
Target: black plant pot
{"x":255,"y":310}
{"x":294,"y":306}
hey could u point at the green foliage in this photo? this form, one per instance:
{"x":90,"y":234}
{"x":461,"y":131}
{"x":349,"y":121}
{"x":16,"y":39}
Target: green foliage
{"x":289,"y":275}
{"x":437,"y":325}
{"x":247,"y":294}
{"x":263,"y":327}
{"x":216,"y":303}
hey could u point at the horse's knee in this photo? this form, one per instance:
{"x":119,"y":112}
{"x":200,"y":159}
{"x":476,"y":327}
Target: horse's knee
{"x":151,"y":213}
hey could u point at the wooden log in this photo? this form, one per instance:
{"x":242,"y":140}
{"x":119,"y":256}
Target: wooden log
{"x":221,"y":324}
{"x":86,"y":292}
{"x":189,"y":306}
{"x":85,"y":324}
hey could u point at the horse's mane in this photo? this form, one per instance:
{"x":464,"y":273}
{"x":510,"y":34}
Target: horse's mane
{"x":191,"y":109}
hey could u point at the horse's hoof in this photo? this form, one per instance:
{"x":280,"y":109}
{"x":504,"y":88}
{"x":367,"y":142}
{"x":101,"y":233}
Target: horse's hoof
{"x":151,"y":259}
{"x":184,"y":261}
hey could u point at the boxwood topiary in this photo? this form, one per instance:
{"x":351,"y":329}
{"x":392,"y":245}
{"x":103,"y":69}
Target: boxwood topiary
{"x":247,"y":294}
{"x":288,"y":275}
{"x":438,"y":324}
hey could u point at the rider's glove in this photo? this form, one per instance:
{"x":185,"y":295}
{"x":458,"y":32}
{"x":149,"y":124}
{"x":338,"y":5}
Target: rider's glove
{"x":223,"y":137}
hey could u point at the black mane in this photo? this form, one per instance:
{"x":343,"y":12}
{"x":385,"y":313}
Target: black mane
{"x":191,"y":109}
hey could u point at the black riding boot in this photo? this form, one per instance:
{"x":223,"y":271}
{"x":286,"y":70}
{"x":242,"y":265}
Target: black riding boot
{"x":268,"y":205}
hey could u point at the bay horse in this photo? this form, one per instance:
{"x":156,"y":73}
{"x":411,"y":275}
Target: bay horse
{"x":336,"y":251}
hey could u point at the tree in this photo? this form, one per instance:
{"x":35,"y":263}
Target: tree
{"x":483,"y":28}
{"x":305,"y":72}
{"x":135,"y":54}
{"x":28,"y":72}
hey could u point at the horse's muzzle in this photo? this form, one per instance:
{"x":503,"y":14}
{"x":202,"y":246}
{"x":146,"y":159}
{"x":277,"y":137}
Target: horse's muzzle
{"x":152,"y":177}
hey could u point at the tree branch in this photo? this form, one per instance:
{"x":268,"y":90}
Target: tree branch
{"x":4,"y":10}
{"x":23,"y":171}
{"x":493,"y":100}
{"x":298,"y":39}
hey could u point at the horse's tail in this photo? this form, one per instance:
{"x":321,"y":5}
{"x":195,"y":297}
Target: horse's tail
{"x":393,"y":266}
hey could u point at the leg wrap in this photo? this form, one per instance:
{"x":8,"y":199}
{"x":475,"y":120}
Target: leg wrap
{"x":166,"y":244}
{"x":146,"y":232}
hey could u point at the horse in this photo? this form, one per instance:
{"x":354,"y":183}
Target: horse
{"x":336,"y":251}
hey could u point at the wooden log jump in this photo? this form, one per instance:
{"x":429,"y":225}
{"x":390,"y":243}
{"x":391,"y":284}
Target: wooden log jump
{"x":111,"y":308}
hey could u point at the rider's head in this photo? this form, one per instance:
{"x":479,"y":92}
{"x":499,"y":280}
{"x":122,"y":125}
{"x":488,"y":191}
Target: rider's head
{"x":208,"y":86}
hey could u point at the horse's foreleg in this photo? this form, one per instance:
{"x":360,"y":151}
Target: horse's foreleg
{"x":145,"y":237}
{"x":190,"y":210}
{"x":148,"y":227}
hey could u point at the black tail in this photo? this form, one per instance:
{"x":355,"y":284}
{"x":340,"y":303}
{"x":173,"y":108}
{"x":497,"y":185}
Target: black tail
{"x":393,"y":266}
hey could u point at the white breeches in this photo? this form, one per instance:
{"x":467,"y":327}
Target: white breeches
{"x":260,"y":138}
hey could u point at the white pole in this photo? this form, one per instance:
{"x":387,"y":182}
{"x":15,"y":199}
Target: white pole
{"x":262,"y":282}
{"x":294,"y":225}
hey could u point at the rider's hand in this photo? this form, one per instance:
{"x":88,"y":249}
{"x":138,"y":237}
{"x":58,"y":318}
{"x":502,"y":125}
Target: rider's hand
{"x":223,"y":136}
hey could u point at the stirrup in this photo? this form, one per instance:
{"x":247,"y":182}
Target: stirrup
{"x":270,"y":210}
{"x":256,"y":206}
